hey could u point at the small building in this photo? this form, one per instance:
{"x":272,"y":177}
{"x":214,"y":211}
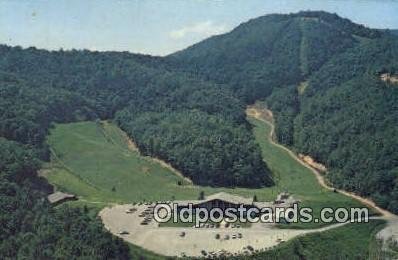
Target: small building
{"x":59,"y":197}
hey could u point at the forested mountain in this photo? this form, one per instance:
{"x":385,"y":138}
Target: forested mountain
{"x":348,"y":119}
{"x":271,"y":51}
{"x":42,"y":87}
{"x":320,"y":74}
{"x":151,"y":103}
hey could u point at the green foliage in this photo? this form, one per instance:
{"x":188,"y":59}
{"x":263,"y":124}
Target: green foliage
{"x":285,"y":105}
{"x":269,"y":52}
{"x":32,"y":229}
{"x":344,"y":117}
{"x":100,"y":84}
{"x":201,"y":195}
{"x":320,"y":40}
{"x":348,"y":120}
{"x":92,"y":158}
{"x":352,"y":241}
{"x":210,"y":150}
{"x":248,"y":59}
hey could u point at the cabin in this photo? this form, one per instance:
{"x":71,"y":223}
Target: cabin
{"x":60,"y":197}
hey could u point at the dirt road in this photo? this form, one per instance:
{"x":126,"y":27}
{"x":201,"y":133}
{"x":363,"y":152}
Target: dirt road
{"x":391,"y":230}
{"x":171,"y":242}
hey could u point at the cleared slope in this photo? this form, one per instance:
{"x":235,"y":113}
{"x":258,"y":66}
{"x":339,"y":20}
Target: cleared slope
{"x":90,"y":165}
{"x":93,"y":160}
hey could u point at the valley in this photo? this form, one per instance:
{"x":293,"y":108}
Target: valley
{"x":136,"y":178}
{"x":117,"y":130}
{"x":93,"y":166}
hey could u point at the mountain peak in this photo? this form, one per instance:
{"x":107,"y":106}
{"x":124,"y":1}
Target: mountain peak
{"x":278,"y":47}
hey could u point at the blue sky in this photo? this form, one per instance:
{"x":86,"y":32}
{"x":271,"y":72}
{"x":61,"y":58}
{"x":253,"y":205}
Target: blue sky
{"x":157,"y":27}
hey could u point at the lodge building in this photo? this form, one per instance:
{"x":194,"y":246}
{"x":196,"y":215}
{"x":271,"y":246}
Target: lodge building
{"x":225,"y":200}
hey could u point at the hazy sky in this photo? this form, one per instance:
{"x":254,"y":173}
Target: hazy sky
{"x":157,"y":27}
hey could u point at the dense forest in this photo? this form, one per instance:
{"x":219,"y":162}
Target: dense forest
{"x":353,"y":116}
{"x":270,"y":52}
{"x":32,"y":229}
{"x":318,"y":73}
{"x":200,"y":145}
{"x":80,"y":85}
{"x":39,"y":88}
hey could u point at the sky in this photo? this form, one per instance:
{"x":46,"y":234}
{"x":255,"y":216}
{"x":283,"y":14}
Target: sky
{"x":157,"y":27}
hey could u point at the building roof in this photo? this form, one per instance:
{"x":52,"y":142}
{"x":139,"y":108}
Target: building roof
{"x":223,"y":196}
{"x":59,"y":196}
{"x":286,"y":200}
{"x":229,"y":198}
{"x":263,"y":204}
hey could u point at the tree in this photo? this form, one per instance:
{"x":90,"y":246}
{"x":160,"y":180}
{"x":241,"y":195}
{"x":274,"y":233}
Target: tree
{"x":201,"y":195}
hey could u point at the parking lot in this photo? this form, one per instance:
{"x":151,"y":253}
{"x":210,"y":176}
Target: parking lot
{"x":134,"y":224}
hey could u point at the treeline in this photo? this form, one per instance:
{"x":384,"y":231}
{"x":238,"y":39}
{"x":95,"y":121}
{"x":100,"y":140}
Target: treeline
{"x":209,"y":149}
{"x":320,"y":75}
{"x":269,"y":52}
{"x":284,"y":103}
{"x":189,"y":110}
{"x":39,"y":88}
{"x":82,"y":85}
{"x":349,"y":120}
{"x":342,"y":24}
{"x":32,"y":229}
{"x":249,"y":59}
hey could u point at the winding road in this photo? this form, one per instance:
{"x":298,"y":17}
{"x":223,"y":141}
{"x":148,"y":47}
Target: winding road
{"x":391,"y":229}
{"x":170,"y":242}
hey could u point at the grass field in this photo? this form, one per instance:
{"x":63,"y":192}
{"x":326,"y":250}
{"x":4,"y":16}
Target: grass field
{"x":93,"y":161}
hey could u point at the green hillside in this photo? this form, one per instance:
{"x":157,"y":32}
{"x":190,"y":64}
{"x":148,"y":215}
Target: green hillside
{"x":395,"y":32}
{"x":320,"y":75}
{"x":53,"y":88}
{"x":272,"y":51}
{"x":84,"y":146}
{"x":93,"y":161}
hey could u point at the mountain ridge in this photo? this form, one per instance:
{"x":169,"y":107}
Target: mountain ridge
{"x":323,"y":83}
{"x":312,"y":97}
{"x":274,"y":42}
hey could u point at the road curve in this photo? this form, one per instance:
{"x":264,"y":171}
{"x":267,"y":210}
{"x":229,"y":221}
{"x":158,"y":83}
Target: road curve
{"x":391,"y":230}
